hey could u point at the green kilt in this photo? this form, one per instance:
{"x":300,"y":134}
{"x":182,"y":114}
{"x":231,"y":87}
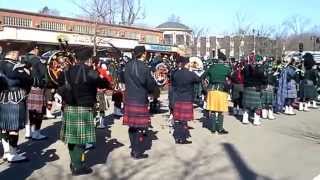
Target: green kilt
{"x":237,"y":90}
{"x":308,"y":90}
{"x":267,"y":97}
{"x":78,"y":126}
{"x":251,"y":98}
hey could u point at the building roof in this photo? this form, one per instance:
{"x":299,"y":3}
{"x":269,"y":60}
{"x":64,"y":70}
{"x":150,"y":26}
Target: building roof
{"x":75,"y":19}
{"x":173,"y":25}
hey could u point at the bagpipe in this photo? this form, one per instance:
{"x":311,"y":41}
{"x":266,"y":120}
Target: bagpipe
{"x":58,"y":61}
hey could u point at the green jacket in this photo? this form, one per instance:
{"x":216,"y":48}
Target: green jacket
{"x":217,"y":73}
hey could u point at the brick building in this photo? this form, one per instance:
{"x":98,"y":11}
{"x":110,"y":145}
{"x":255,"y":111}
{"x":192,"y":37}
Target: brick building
{"x":21,"y":27}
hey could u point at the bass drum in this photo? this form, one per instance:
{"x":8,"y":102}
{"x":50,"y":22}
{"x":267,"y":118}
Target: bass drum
{"x":161,"y":74}
{"x":57,"y":62}
{"x":195,"y":64}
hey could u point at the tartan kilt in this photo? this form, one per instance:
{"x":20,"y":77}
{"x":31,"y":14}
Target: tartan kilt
{"x":13,"y":116}
{"x":267,"y":97}
{"x":217,"y":101}
{"x":183,"y":111}
{"x":101,"y":102}
{"x":237,"y":90}
{"x":78,"y":126}
{"x":251,"y":98}
{"x":136,"y":114}
{"x":308,"y":91}
{"x":35,"y":100}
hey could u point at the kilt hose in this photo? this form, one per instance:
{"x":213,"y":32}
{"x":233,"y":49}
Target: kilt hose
{"x":78,"y":126}
{"x":183,"y":111}
{"x":267,"y":97}
{"x":101,"y":102}
{"x":217,"y":101}
{"x":36,"y":100}
{"x":251,"y":98}
{"x":13,"y":116}
{"x":136,"y":114}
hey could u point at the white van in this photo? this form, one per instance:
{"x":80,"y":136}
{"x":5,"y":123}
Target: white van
{"x":297,"y":55}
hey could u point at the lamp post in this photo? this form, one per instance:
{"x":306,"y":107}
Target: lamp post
{"x":254,"y":41}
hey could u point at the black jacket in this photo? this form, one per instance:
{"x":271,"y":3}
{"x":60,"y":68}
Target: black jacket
{"x":84,"y":82}
{"x":13,"y":75}
{"x":39,"y":70}
{"x":183,"y":85}
{"x":253,"y":76}
{"x":138,"y":81}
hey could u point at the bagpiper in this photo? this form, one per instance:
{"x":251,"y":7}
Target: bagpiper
{"x":237,"y":80}
{"x":217,"y":95}
{"x":287,"y":88}
{"x":78,"y":88}
{"x":308,"y":91}
{"x":138,"y":84}
{"x":267,"y":93}
{"x":253,"y":74}
{"x":183,"y":81}
{"x":36,"y":100}
{"x":15,"y":81}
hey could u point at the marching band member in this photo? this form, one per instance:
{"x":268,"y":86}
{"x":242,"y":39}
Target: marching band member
{"x":287,"y":88}
{"x":237,"y":79}
{"x":217,"y":96}
{"x":79,"y":90}
{"x":183,"y":81}
{"x":36,"y":99}
{"x":267,"y":93}
{"x":253,"y":75}
{"x":138,"y":84}
{"x":15,"y":84}
{"x":103,"y":103}
{"x":308,"y":90}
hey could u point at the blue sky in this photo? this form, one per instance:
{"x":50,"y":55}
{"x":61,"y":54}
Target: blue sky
{"x":217,"y":15}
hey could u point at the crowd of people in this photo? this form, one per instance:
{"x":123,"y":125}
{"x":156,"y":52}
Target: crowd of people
{"x":258,"y":87}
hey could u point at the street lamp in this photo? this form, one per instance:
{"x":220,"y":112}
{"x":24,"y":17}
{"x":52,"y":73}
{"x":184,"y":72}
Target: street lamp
{"x":254,"y":41}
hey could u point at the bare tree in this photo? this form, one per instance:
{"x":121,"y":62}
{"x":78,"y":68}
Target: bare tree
{"x":198,"y":32}
{"x":102,"y":11}
{"x":131,"y":11}
{"x":297,"y":24}
{"x":242,"y":29}
{"x":242,"y":24}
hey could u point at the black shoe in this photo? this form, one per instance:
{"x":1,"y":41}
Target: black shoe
{"x":138,"y":156}
{"x":81,"y":171}
{"x":222,"y":132}
{"x":213,"y":131}
{"x":183,"y":142}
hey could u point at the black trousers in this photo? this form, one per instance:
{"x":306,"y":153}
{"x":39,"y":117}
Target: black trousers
{"x":137,"y":138}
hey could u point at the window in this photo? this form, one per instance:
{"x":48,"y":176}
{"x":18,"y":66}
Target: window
{"x":14,"y":21}
{"x":188,"y":40}
{"x":53,"y":26}
{"x":83,"y":29}
{"x":131,"y":35}
{"x":180,"y":39}
{"x":168,"y":39}
{"x":152,"y":39}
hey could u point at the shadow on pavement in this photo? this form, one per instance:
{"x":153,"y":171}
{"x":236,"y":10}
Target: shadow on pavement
{"x":37,"y":153}
{"x":105,"y":145}
{"x":243,"y":169}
